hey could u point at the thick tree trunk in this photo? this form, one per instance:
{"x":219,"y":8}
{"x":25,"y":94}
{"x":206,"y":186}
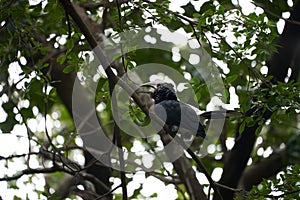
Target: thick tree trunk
{"x":288,"y":55}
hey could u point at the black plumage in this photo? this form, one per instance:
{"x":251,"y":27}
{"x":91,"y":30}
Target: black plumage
{"x":178,"y":116}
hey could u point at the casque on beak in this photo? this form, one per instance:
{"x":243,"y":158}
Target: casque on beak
{"x":151,"y":84}
{"x":147,"y":85}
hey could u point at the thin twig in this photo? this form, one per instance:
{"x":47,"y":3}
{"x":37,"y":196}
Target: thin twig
{"x":18,"y":156}
{"x":108,"y":193}
{"x":117,"y":135}
{"x":164,"y":178}
{"x":36,"y":171}
{"x":121,"y":30}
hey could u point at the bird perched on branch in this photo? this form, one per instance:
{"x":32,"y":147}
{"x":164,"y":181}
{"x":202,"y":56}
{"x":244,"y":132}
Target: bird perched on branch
{"x":180,"y":117}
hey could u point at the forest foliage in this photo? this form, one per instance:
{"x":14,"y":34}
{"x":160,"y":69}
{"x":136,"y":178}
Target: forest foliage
{"x":46,"y":45}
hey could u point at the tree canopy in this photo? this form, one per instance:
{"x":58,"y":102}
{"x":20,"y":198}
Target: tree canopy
{"x":75,"y":118}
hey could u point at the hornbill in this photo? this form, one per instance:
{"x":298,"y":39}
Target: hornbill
{"x":180,"y":117}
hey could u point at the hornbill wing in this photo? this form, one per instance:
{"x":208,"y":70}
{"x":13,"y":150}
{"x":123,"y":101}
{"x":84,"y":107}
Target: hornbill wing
{"x":190,"y":122}
{"x":197,"y":111}
{"x":180,"y":118}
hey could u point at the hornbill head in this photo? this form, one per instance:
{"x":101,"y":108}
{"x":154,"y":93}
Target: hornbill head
{"x":162,"y":91}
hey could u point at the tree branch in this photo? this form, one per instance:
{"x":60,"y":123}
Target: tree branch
{"x":266,"y":168}
{"x":36,"y":171}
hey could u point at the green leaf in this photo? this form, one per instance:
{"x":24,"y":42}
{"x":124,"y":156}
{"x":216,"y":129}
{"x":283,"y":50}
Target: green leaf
{"x":26,"y":113}
{"x":232,"y":78}
{"x":207,"y":6}
{"x":189,"y":9}
{"x":271,"y":102}
{"x":242,"y":127}
{"x":8,"y":107}
{"x":17,"y":198}
{"x":250,"y":122}
{"x":258,"y":130}
{"x":8,"y":125}
{"x":35,"y":94}
{"x":61,"y":59}
{"x":5,"y":127}
{"x":70,"y":44}
{"x":68,"y":69}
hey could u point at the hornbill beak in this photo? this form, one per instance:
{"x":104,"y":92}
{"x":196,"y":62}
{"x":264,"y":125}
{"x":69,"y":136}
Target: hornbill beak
{"x":152,"y":84}
{"x":147,"y":85}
